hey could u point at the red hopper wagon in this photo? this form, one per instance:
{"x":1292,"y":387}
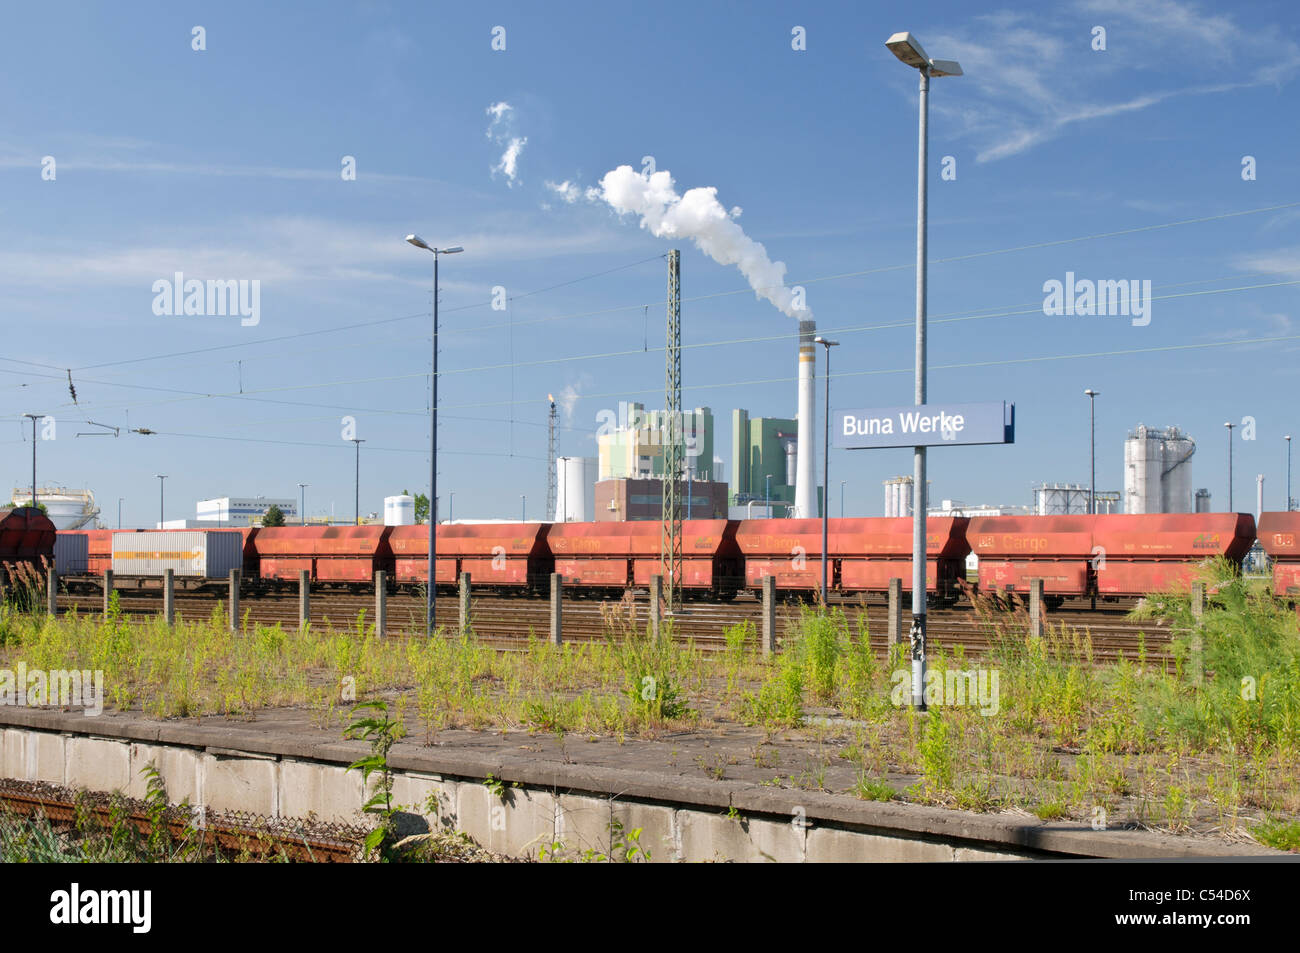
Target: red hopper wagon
{"x":1279,"y":534}
{"x":508,"y":555}
{"x":342,"y":555}
{"x":613,"y":556}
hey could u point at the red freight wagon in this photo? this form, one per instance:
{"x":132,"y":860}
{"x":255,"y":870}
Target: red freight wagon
{"x":864,"y":554}
{"x":332,"y":554}
{"x":410,"y":546}
{"x":1139,"y":554}
{"x":26,"y":539}
{"x":598,"y":555}
{"x":1015,"y":549}
{"x":710,"y":557}
{"x":513,"y":555}
{"x":1279,"y":534}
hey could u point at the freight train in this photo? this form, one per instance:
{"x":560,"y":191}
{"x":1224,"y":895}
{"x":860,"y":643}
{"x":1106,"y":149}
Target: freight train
{"x":26,"y":547}
{"x":1105,"y":557}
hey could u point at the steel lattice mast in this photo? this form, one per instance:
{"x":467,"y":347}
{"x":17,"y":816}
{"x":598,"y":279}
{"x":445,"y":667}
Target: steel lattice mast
{"x":670,"y":544}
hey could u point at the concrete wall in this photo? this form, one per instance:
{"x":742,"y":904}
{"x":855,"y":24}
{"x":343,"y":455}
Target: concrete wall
{"x":281,"y":774}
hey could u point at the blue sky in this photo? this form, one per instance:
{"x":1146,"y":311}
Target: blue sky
{"x":225,"y":163}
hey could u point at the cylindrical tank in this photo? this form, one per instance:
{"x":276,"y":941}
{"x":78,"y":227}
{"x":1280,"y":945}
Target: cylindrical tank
{"x":575,"y":498}
{"x":399,"y":511}
{"x":1202,"y":501}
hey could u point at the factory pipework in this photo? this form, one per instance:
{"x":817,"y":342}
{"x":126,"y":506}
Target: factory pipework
{"x":805,"y":490}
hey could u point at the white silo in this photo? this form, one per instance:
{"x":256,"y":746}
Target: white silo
{"x":399,"y":510}
{"x":575,"y":498}
{"x":1158,"y":471}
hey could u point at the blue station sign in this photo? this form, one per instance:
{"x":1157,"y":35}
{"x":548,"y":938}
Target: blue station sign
{"x":930,"y":425}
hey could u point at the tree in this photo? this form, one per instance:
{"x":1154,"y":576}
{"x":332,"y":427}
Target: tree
{"x":14,"y":505}
{"x":274,"y":516}
{"x":421,"y":506}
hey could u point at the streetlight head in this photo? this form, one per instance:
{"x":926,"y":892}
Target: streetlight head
{"x":908,"y":49}
{"x":1229,"y":424}
{"x":453,"y":250}
{"x":418,"y":242}
{"x":1091,"y":393}
{"x":945,"y":68}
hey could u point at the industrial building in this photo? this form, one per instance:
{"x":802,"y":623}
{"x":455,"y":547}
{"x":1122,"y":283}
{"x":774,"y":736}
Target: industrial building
{"x":632,"y":445}
{"x":67,"y":509}
{"x":1064,"y":499}
{"x":763,"y":460}
{"x":1158,"y":471}
{"x":643,"y":499}
{"x":243,"y":511}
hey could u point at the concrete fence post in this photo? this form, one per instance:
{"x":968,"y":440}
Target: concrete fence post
{"x":656,"y":604}
{"x":169,"y":596}
{"x":234,"y":600}
{"x":108,"y":589}
{"x":1036,"y":621}
{"x":52,"y":591}
{"x":465,"y":588}
{"x":4,"y":582}
{"x":897,"y":636}
{"x":381,"y":603}
{"x":557,"y":584}
{"x":304,"y":599}
{"x":1197,"y":660}
{"x":768,"y":635}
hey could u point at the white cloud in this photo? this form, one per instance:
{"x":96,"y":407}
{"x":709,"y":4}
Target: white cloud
{"x":566,"y":190}
{"x":501,"y":131}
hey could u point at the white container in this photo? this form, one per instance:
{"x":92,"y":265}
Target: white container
{"x":71,"y":554}
{"x":399,"y":511}
{"x":200,"y":554}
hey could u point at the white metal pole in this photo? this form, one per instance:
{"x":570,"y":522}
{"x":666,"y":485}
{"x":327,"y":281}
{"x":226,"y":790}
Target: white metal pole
{"x":918,"y":453}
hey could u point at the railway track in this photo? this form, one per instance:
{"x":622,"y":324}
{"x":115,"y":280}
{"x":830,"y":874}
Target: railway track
{"x":225,"y":833}
{"x":507,"y":621}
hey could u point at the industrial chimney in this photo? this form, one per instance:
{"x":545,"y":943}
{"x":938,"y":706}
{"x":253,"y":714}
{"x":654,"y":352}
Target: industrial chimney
{"x":805,"y":490}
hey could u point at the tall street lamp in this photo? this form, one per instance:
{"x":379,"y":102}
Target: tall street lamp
{"x":419,"y":242}
{"x":1092,"y":453}
{"x":161,"y":478}
{"x":1229,"y":424}
{"x":767,"y":494}
{"x":357,"y":519}
{"x":451,"y":508}
{"x":34,"y":418}
{"x":523,"y":508}
{"x":119,"y":512}
{"x":908,"y":49}
{"x":826,"y":454}
{"x":842,"y":499}
{"x":302,"y":503}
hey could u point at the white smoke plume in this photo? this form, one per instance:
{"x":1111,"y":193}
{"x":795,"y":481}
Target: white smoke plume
{"x":699,"y":216}
{"x":500,"y":130}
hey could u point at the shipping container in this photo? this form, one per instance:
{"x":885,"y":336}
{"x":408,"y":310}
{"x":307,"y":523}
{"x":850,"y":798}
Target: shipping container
{"x":201,"y":554}
{"x":71,"y":554}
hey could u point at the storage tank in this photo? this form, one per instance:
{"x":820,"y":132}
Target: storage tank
{"x":575,"y":499}
{"x":67,"y":509}
{"x":399,"y":510}
{"x":1158,"y":471}
{"x":1202,"y":500}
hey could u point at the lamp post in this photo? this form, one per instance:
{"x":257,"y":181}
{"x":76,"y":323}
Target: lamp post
{"x":1288,"y":473}
{"x":419,"y":242}
{"x":34,"y":418}
{"x":119,"y":512}
{"x":1092,"y":450}
{"x":356,"y":521}
{"x":826,"y":455}
{"x":451,"y":508}
{"x":302,"y":503}
{"x":161,"y":478}
{"x":767,"y":495}
{"x":842,"y":499}
{"x":908,"y":49}
{"x":1229,"y":424}
{"x":523,"y":508}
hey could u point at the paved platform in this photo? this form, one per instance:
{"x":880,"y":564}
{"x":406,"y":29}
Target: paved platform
{"x":725,"y":794}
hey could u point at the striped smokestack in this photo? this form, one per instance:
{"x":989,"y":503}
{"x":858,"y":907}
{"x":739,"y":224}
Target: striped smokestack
{"x":805,"y":490}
